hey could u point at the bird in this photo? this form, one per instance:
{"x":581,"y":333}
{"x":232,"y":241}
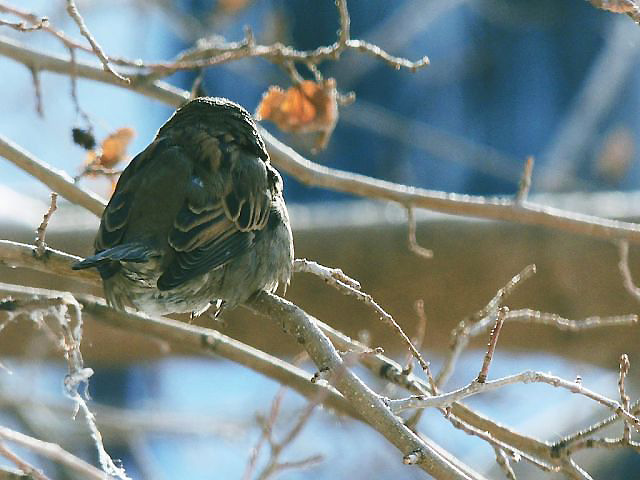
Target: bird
{"x":197,"y":218}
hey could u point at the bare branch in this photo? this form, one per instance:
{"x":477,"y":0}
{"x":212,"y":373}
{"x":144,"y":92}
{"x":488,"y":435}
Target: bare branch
{"x":624,"y":398}
{"x":360,"y":399}
{"x":171,"y":331}
{"x":65,"y":310}
{"x":352,"y":288}
{"x":475,"y":387}
{"x":333,"y":276}
{"x":73,"y":12}
{"x":43,"y":24}
{"x":310,"y":173}
{"x":37,"y":88}
{"x":525,"y":181}
{"x":534,"y":316}
{"x":16,"y":254}
{"x":567,"y":442}
{"x":493,"y":342}
{"x":200,"y":340}
{"x":38,"y":23}
{"x":413,"y":243}
{"x":277,"y":447}
{"x":56,"y":180}
{"x":608,"y":443}
{"x":503,"y":462}
{"x":23,"y":465}
{"x":53,"y":452}
{"x":215,"y":53}
{"x":344,"y":34}
{"x":479,"y":320}
{"x":303,"y":327}
{"x":623,"y":265}
{"x":41,"y":246}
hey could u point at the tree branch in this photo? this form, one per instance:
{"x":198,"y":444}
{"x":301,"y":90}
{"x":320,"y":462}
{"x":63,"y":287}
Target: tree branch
{"x":56,"y":180}
{"x":53,"y":452}
{"x":304,"y":329}
{"x":287,"y":159}
{"x":359,"y":397}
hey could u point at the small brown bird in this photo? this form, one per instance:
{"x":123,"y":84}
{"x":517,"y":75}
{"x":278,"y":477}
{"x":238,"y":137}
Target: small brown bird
{"x":196,"y":218}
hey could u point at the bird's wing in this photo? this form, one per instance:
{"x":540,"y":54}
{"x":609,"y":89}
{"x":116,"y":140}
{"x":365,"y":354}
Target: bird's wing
{"x":217,"y":223}
{"x":114,"y":223}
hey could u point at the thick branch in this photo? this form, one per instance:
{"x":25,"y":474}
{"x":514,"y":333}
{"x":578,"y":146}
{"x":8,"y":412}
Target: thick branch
{"x":56,"y":180}
{"x":177,"y":332}
{"x":360,"y":398}
{"x":304,"y":328}
{"x":197,"y":339}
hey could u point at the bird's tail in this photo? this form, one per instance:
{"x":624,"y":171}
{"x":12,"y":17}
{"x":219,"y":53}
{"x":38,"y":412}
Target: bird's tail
{"x":128,"y":252}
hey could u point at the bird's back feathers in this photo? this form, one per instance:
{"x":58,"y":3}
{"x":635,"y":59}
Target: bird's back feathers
{"x":194,"y":200}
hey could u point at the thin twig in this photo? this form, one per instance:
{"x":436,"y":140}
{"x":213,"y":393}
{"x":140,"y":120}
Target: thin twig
{"x":304,"y":328}
{"x":41,"y":232}
{"x":22,"y":464}
{"x":296,"y":464}
{"x":418,"y":337}
{"x":274,"y":465}
{"x":413,"y":243}
{"x":73,"y":12}
{"x":67,"y":312}
{"x":623,"y":265}
{"x":23,"y":27}
{"x":493,"y":342}
{"x":608,"y":443}
{"x":568,"y":441}
{"x":528,"y":315}
{"x":362,"y":402}
{"x":475,"y":387}
{"x":122,"y":423}
{"x":311,"y":173}
{"x":377,"y":363}
{"x":503,"y":462}
{"x":53,"y":452}
{"x":344,"y":34}
{"x":277,"y":447}
{"x":573,"y":471}
{"x":349,"y":288}
{"x":418,"y":340}
{"x":624,"y":398}
{"x":218,"y":53}
{"x":525,"y":181}
{"x":333,"y":276}
{"x":98,"y":170}
{"x":42,"y":23}
{"x":478,"y":321}
{"x":37,"y":88}
{"x":196,"y":339}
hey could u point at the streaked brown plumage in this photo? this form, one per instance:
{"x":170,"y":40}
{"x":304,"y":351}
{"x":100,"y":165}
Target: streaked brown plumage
{"x":197,"y":217}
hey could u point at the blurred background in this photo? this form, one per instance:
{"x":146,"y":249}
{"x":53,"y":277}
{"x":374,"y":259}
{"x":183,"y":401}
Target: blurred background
{"x":556,"y":80}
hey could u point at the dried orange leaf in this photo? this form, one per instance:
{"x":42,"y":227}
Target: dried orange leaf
{"x":114,"y":147}
{"x":304,"y":108}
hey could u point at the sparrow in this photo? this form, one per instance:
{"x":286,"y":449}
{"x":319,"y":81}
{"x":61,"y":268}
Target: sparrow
{"x":197,"y":218}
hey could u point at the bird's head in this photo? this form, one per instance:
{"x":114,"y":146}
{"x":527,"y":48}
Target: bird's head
{"x":221,"y":114}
